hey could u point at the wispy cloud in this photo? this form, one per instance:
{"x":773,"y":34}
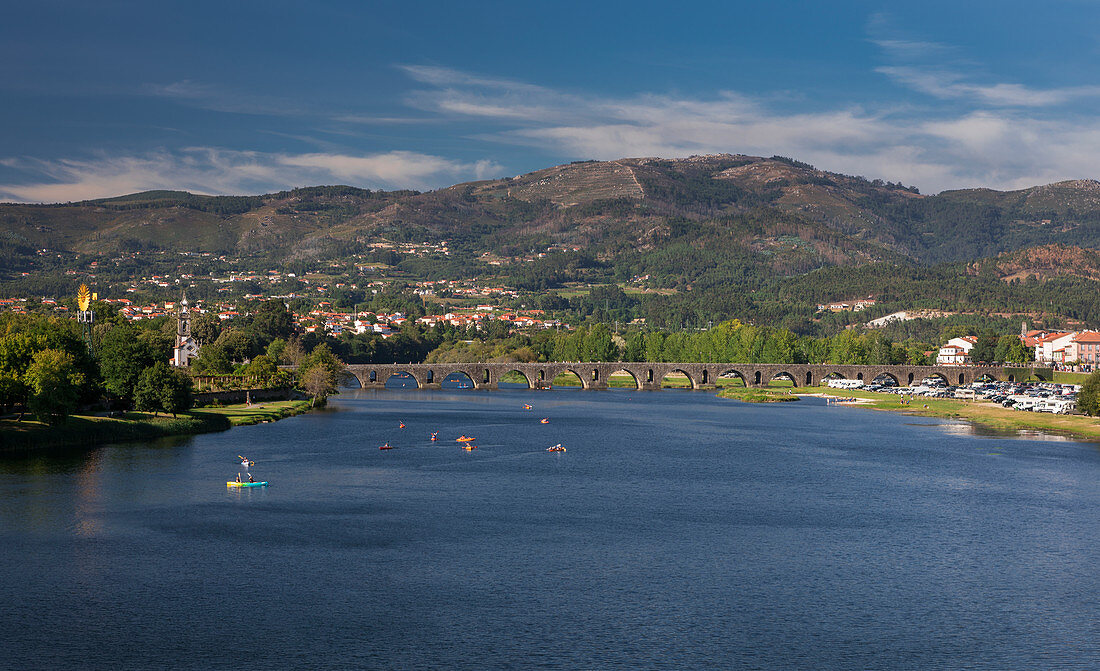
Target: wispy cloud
{"x":944,"y":72}
{"x":946,"y":84}
{"x":207,"y":96}
{"x":1001,"y":147}
{"x":212,"y":170}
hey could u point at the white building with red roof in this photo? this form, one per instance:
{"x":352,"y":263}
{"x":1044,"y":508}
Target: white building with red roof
{"x":956,"y":352}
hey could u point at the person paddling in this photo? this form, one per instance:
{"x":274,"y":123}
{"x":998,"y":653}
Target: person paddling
{"x":247,"y":465}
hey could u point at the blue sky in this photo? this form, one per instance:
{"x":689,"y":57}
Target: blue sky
{"x":106,"y":98}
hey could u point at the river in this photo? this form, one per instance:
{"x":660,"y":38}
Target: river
{"x":679,"y":531}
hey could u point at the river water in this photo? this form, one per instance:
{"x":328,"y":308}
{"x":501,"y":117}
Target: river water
{"x":679,"y":531}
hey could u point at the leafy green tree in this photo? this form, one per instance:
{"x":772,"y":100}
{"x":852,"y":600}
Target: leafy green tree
{"x":985,"y":349}
{"x":262,"y":368}
{"x":124,"y":353}
{"x":847,"y":348}
{"x":54,"y":382}
{"x":237,"y":344}
{"x":161,"y":388}
{"x":635,"y":347}
{"x":212,"y":359}
{"x":12,"y":389}
{"x":598,"y":344}
{"x":206,"y":328}
{"x":1088,"y":399}
{"x":275,"y":350}
{"x":176,"y":395}
{"x":272,"y":320}
{"x":147,"y":390}
{"x":319,"y":373}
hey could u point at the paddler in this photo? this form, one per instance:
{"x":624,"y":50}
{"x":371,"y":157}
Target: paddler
{"x":246,"y":464}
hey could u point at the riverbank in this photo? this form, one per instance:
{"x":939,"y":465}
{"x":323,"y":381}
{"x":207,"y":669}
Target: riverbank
{"x":987,"y":414}
{"x":257,"y":413}
{"x":88,"y":430}
{"x":751,"y":395}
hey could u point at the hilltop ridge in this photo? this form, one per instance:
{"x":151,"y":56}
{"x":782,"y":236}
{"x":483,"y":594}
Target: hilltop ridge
{"x":776,"y":211}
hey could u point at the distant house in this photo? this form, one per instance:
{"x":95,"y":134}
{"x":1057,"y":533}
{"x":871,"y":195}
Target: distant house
{"x":1084,"y":349}
{"x":956,"y":352}
{"x":1047,"y":345}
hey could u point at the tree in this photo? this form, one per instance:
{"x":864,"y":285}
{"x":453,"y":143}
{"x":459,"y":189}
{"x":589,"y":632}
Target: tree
{"x":54,"y":385}
{"x":320,"y":372}
{"x":212,"y":359}
{"x":317,"y":383}
{"x":294,"y":353}
{"x":262,"y":368}
{"x":275,"y":350}
{"x":236,"y":343}
{"x":163,"y":389}
{"x":1088,"y":399}
{"x":176,"y":395}
{"x":206,"y":328}
{"x":125,"y":353}
{"x":598,"y":345}
{"x":272,"y":320}
{"x":985,"y":350}
{"x":12,"y":389}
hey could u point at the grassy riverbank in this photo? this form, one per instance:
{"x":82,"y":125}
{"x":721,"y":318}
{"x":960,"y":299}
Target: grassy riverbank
{"x":88,"y":430}
{"x":84,"y":430}
{"x":750,"y":395}
{"x":987,"y":414}
{"x":243,"y":415}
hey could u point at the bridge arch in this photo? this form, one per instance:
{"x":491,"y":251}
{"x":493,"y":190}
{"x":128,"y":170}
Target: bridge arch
{"x":456,"y":380}
{"x":558,"y":371}
{"x":783,"y":375}
{"x":886,"y":374}
{"x":940,"y":374}
{"x":504,"y":378}
{"x":672,"y":371}
{"x":731,"y":373}
{"x":633,"y":377}
{"x":345,"y":378}
{"x":402,"y":379}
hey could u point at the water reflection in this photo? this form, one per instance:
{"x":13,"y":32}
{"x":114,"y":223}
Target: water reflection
{"x":985,"y":431}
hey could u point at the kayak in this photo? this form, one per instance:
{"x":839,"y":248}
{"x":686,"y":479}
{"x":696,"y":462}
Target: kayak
{"x":246,"y":484}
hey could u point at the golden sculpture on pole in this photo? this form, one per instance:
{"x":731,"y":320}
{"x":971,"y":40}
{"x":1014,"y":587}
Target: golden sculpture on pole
{"x":83,"y":297}
{"x":84,"y":315}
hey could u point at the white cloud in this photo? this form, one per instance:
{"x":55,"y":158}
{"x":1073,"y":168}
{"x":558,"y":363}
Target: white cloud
{"x":1002,"y":147}
{"x":211,"y":170}
{"x":946,"y":84}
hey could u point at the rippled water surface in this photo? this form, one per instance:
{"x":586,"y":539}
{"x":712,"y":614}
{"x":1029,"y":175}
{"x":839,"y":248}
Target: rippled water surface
{"x":678,"y":531}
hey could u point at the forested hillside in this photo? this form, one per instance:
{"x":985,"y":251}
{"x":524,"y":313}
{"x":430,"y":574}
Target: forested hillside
{"x":704,"y":238}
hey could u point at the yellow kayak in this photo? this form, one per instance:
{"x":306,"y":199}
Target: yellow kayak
{"x":246,"y":484}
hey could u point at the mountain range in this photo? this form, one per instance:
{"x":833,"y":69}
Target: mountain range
{"x":692,"y":239}
{"x":784,"y":213}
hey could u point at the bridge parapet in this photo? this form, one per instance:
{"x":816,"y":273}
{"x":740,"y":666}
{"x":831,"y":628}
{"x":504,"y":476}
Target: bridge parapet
{"x":649,"y":375}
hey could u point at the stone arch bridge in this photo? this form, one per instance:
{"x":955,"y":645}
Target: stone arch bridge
{"x":701,"y":375}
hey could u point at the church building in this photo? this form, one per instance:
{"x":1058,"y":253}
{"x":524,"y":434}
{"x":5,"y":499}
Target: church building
{"x":186,"y":348}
